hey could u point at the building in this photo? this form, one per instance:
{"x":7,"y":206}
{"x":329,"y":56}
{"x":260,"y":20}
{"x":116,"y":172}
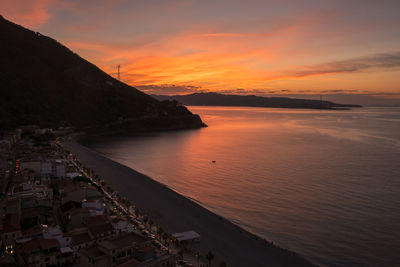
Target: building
{"x":41,"y":252}
{"x":5,"y":145}
{"x":3,"y":162}
{"x":95,"y":256}
{"x":96,"y":206}
{"x":120,"y":225}
{"x":13,"y":206}
{"x":46,"y":168}
{"x":54,"y":232}
{"x":80,"y":241}
{"x":114,"y":251}
{"x":187,"y":236}
{"x":31,"y":165}
{"x":11,"y":229}
{"x":99,"y":227}
{"x":60,"y":170}
{"x":76,"y":216}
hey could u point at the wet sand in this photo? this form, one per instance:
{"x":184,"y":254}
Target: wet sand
{"x":176,"y":213}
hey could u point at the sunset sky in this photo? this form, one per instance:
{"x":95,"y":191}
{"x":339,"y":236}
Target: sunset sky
{"x":259,"y":47}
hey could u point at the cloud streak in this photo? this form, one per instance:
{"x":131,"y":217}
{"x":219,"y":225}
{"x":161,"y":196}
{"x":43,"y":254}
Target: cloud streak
{"x":28,"y":13}
{"x":381,"y":61}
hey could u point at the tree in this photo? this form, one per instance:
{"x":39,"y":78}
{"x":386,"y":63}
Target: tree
{"x":209,"y":257}
{"x":165,"y":236}
{"x":180,"y":253}
{"x":198,"y":256}
{"x":137,"y":212}
{"x":160,"y":232}
{"x":184,"y":245}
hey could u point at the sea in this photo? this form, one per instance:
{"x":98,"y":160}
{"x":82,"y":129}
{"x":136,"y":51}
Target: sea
{"x":323,"y":183}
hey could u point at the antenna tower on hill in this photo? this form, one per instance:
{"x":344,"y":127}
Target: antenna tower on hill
{"x":119,"y":75}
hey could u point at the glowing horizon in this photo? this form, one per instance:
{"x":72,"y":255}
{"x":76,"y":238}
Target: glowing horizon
{"x":257,"y":47}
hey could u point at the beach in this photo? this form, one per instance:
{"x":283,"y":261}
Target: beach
{"x":176,"y":213}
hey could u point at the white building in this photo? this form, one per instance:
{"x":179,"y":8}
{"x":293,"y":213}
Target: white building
{"x":187,"y":236}
{"x":72,"y":174}
{"x":55,"y":232}
{"x":60,"y":170}
{"x":46,"y":168}
{"x":120,"y":225}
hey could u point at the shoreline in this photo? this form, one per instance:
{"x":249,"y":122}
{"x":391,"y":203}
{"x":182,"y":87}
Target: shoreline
{"x":176,"y":213}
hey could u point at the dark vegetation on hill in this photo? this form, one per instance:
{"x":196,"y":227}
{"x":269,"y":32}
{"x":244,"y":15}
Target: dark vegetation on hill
{"x":215,"y":99}
{"x":43,"y":82}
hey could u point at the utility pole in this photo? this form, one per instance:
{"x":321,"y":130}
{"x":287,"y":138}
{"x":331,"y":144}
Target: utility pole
{"x":119,"y":76}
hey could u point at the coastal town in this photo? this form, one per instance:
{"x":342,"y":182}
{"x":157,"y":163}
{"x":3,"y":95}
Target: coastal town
{"x":58,"y":212}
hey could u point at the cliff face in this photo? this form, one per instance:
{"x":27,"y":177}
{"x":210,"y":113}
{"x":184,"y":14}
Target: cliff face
{"x":43,"y":82}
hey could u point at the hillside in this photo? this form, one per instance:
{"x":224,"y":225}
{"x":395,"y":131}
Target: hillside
{"x":215,"y":99}
{"x":43,"y":82}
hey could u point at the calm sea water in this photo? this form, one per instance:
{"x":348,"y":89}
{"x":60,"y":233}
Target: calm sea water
{"x":325,"y":184}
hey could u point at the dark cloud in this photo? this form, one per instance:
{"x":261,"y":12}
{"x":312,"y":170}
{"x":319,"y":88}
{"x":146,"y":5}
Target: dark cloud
{"x":172,"y":89}
{"x":169,"y":89}
{"x":242,"y":91}
{"x":340,"y":91}
{"x":383,"y":61}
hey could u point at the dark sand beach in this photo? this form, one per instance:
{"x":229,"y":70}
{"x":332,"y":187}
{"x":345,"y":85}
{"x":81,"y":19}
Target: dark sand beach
{"x":176,"y":213}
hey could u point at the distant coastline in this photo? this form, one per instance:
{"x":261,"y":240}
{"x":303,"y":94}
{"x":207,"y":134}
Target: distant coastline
{"x":217,"y":99}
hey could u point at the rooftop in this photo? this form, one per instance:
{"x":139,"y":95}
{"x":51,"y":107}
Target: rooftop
{"x":13,"y":201}
{"x":98,"y":229}
{"x":95,"y":220}
{"x":11,"y":223}
{"x":78,"y":239}
{"x":75,"y":211}
{"x":125,"y":240}
{"x":189,"y":235}
{"x":40,"y":244}
{"x":130,"y":263}
{"x":93,"y":252}
{"x":70,"y":205}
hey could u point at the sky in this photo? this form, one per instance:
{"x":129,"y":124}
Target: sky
{"x":262,"y":47}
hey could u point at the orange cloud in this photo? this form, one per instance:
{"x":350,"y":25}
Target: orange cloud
{"x":27,"y":13}
{"x":212,"y":58}
{"x":192,"y":58}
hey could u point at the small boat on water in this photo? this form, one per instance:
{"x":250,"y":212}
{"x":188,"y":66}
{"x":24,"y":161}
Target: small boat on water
{"x":213,"y":161}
